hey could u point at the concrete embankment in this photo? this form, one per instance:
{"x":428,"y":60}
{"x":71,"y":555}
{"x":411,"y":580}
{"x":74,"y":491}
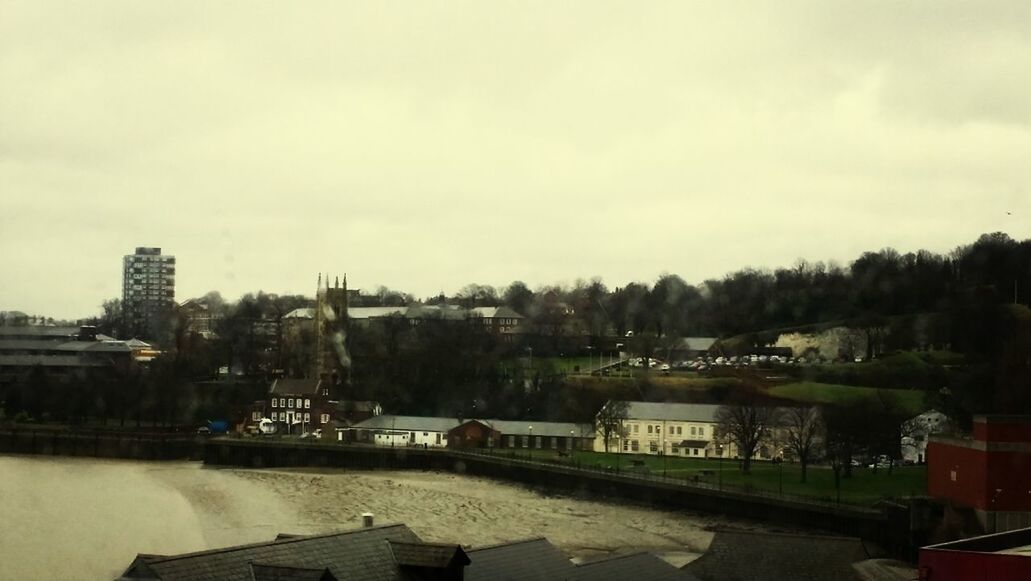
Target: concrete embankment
{"x":99,"y":443}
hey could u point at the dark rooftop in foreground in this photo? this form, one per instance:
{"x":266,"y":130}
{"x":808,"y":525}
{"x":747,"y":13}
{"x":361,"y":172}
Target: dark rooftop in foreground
{"x":529,"y":560}
{"x":750,"y":556}
{"x":632,"y":566}
{"x":392,"y":553}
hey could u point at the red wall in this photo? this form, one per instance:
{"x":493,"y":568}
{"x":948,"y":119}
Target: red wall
{"x":1009,"y":472}
{"x":991,"y":432}
{"x":943,"y":565}
{"x":978,"y":475}
{"x":970,"y":487}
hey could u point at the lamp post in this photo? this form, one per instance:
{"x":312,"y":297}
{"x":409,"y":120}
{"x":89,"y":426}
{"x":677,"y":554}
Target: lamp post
{"x":571,"y":446}
{"x":590,"y":358}
{"x":530,"y":442}
{"x":719,"y":452}
{"x":618,"y":347}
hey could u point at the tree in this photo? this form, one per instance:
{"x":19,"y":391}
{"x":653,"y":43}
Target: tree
{"x":519,"y":297}
{"x":804,"y":428}
{"x":609,"y":420}
{"x":746,"y":425}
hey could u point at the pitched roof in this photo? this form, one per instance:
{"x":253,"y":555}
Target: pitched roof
{"x":522,"y":428}
{"x":696,"y":343}
{"x":261,"y":572}
{"x":356,"y":555}
{"x":375,"y":312}
{"x":408,"y":423}
{"x":502,"y":312}
{"x":285,"y":386}
{"x":49,"y":361}
{"x":693,"y":443}
{"x":743,"y":555}
{"x":679,"y":412}
{"x":301,"y":313}
{"x":529,"y":560}
{"x":39,"y":331}
{"x":631,"y":566}
{"x":432,"y":555}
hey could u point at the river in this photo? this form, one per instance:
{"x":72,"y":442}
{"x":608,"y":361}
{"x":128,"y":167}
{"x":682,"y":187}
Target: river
{"x":77,"y":518}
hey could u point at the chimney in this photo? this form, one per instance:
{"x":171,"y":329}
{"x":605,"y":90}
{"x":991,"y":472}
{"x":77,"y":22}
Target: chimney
{"x":366,"y":520}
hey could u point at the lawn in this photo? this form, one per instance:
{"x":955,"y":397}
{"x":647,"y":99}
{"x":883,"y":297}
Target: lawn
{"x":911,"y":401}
{"x":864,"y":488}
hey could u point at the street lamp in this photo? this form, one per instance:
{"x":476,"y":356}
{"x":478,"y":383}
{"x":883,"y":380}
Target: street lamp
{"x":530,"y":442}
{"x":719,"y":452}
{"x":618,"y":347}
{"x":571,"y":434}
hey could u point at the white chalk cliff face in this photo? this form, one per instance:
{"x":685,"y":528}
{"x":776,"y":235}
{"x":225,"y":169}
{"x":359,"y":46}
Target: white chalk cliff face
{"x":827,"y":344}
{"x":87,"y":519}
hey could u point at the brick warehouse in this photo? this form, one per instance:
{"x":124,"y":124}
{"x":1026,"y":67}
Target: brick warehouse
{"x":988,"y":471}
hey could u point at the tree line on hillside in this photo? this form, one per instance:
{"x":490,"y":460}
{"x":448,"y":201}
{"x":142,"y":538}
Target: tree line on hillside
{"x":441,"y":368}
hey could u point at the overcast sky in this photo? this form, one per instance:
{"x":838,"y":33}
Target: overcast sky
{"x":425,"y":146}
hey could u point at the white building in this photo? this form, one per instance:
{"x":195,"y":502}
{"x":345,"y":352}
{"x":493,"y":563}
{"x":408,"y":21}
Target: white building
{"x":915,"y":432}
{"x":396,"y":431}
{"x":678,"y":429}
{"x":683,"y":429}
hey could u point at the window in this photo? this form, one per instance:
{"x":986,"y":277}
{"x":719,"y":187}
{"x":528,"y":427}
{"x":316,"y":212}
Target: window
{"x":635,"y":428}
{"x":307,"y":403}
{"x":324,"y":419}
{"x":438,"y":438}
{"x":511,"y":441}
{"x":649,"y":428}
{"x":554,"y":443}
{"x":307,"y":417}
{"x":680,"y":431}
{"x":653,"y":447}
{"x":701,"y":431}
{"x":693,"y":430}
{"x":274,"y":402}
{"x":256,"y":416}
{"x":672,"y":430}
{"x":290,"y":403}
{"x":626,"y":445}
{"x":526,"y":441}
{"x":634,"y":446}
{"x":537,"y":442}
{"x":569,"y":443}
{"x":694,"y":452}
{"x":282,"y":402}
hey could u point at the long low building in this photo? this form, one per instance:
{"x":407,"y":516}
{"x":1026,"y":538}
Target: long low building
{"x":388,"y":430}
{"x":505,"y":434}
{"x":433,"y":432}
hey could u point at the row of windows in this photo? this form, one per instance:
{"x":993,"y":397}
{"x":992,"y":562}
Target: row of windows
{"x":290,"y":416}
{"x":673,"y":430}
{"x":288,"y":402}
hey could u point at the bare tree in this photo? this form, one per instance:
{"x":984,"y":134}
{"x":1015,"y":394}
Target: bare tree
{"x":609,"y":420}
{"x":746,"y":425}
{"x":803,"y":428}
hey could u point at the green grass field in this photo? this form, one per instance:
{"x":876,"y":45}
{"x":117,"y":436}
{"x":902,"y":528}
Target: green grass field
{"x":911,"y":401}
{"x":864,"y":488}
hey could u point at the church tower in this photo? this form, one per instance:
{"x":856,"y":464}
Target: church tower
{"x":332,"y":361}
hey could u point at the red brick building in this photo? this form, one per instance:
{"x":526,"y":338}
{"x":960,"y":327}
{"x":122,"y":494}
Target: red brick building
{"x":989,"y":471}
